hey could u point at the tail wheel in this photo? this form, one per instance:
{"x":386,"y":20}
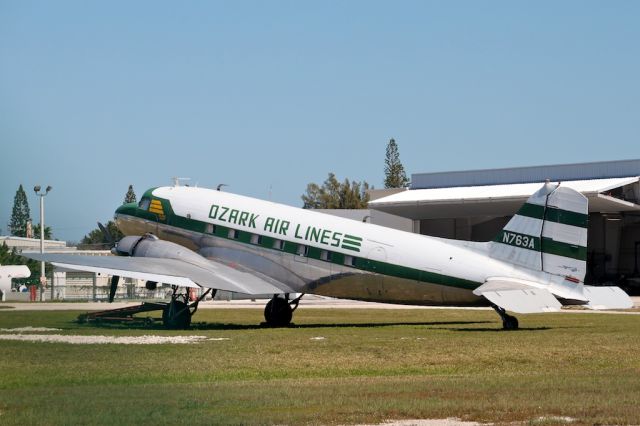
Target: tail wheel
{"x":278,"y":312}
{"x":176,"y":315}
{"x":510,"y":323}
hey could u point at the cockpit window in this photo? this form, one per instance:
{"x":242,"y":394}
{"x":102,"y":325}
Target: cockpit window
{"x":144,"y":204}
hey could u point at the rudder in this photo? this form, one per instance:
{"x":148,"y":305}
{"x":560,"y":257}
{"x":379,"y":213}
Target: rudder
{"x":548,"y":233}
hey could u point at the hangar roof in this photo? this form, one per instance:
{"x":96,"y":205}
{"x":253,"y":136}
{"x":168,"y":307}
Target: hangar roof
{"x":530,"y":174}
{"x":605,"y":195}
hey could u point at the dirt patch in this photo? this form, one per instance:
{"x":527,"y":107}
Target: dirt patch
{"x":29,"y":329}
{"x":102,"y":340}
{"x":428,"y":422}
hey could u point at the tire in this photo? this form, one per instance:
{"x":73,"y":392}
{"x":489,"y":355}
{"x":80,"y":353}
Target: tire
{"x":278,"y":312}
{"x":510,"y":323}
{"x":176,"y":316}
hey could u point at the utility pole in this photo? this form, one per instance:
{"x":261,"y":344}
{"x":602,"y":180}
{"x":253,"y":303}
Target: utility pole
{"x":43,"y":278}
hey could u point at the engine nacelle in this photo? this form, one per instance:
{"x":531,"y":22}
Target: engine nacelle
{"x":149,"y":245}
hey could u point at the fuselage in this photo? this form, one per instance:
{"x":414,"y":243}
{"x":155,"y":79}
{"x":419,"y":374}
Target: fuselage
{"x":312,"y":252}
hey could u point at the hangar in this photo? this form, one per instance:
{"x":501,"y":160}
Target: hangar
{"x":475,"y":205}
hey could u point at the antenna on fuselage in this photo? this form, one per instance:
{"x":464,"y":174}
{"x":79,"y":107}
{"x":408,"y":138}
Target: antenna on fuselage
{"x":220,"y":185}
{"x":177,"y":180}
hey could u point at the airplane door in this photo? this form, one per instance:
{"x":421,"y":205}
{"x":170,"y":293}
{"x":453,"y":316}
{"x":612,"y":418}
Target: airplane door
{"x":377,"y":257}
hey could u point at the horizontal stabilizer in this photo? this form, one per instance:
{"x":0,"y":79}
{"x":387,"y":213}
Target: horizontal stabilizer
{"x":518,"y":297}
{"x":607,"y":298}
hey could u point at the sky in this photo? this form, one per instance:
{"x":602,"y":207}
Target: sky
{"x":268,"y":96}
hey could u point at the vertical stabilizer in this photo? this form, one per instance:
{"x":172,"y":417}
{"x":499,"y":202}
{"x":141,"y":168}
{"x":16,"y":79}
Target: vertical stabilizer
{"x":548,"y":233}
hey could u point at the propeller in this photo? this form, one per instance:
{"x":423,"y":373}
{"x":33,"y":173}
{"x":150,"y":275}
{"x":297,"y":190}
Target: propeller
{"x":114,"y":287}
{"x":112,"y":243}
{"x":107,"y":235}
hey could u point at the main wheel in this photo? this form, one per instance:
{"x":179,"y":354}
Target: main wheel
{"x":510,"y":323}
{"x":176,"y":315}
{"x":278,"y":313}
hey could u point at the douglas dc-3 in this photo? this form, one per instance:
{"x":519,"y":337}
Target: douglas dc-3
{"x":196,"y":237}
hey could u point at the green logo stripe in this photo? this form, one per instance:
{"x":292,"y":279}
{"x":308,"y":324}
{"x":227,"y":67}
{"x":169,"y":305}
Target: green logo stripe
{"x":351,"y":243}
{"x":346,"y":247}
{"x":554,"y":214}
{"x":351,"y":237}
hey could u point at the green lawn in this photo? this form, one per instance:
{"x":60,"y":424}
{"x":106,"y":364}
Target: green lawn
{"x":369,"y":366}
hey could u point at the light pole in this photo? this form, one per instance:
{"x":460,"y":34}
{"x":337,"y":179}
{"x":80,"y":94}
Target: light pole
{"x":43,"y":278}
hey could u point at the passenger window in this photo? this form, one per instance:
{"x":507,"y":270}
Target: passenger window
{"x":278,"y":244}
{"x":234,"y":234}
{"x":349,"y":260}
{"x":211,"y":228}
{"x":303,"y":250}
{"x":256,"y":239}
{"x":325,"y":255}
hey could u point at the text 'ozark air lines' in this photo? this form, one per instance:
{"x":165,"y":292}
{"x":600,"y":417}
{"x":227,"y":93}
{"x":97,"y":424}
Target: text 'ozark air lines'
{"x":286,"y":228}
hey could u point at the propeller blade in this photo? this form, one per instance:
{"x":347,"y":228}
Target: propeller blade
{"x":106,"y":233}
{"x":114,"y":287}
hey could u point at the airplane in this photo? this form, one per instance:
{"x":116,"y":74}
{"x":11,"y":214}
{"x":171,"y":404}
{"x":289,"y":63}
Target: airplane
{"x":205,"y":238}
{"x":7,"y":273}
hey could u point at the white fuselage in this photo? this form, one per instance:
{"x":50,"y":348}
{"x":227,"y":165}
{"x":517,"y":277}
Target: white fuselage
{"x":313,"y":252}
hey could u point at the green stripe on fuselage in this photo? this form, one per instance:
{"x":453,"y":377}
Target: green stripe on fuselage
{"x":360,"y":263}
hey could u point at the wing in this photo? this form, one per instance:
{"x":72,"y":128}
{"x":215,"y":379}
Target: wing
{"x":215,"y":275}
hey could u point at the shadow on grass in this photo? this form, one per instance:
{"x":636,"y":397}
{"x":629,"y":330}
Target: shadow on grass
{"x":157,"y":325}
{"x":500,"y":329}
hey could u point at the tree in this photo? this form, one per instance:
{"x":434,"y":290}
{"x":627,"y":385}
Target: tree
{"x":130,"y":196}
{"x":96,"y":240}
{"x":47,"y":232}
{"x":395,"y":176}
{"x":335,"y":195}
{"x":20,"y":214}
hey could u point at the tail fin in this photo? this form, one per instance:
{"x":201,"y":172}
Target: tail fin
{"x":548,"y":233}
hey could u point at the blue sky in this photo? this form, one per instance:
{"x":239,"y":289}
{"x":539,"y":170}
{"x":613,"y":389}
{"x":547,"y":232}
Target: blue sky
{"x":268,"y":96}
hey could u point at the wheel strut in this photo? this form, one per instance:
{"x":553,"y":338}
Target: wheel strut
{"x":509,"y":322}
{"x":177,"y":313}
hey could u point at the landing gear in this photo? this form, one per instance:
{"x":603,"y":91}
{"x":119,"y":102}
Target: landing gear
{"x":177,"y":314}
{"x":508,"y":322}
{"x":279,"y":311}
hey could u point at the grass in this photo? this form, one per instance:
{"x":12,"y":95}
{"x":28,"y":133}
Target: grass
{"x":370,"y":366}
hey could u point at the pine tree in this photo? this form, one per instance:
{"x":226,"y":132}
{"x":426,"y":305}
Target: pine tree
{"x":130,"y":196}
{"x":395,"y":176}
{"x":20,"y":214}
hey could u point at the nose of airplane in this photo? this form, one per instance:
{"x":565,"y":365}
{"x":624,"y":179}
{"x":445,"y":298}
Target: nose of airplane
{"x":125,"y":209}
